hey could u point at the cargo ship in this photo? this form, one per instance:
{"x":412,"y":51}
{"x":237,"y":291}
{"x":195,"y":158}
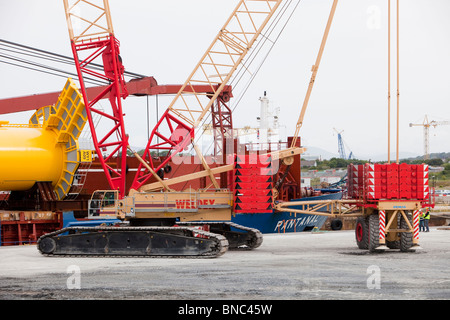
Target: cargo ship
{"x":285,"y":222}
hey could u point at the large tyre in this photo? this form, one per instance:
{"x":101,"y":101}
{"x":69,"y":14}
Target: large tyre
{"x":406,"y":238}
{"x":374,"y":232}
{"x":336,"y":224}
{"x":362,"y":233}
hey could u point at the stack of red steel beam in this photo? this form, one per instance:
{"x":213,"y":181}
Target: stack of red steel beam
{"x":388,"y":181}
{"x":355,"y":180}
{"x":253,"y":184}
{"x":381,"y":181}
{"x":414,"y":181}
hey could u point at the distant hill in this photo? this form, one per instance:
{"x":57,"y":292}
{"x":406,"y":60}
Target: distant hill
{"x":384,"y":157}
{"x":313,"y":153}
{"x":438,"y":155}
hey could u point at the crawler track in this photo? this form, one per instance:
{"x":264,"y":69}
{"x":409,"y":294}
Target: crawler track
{"x":238,"y":236}
{"x":174,"y":242}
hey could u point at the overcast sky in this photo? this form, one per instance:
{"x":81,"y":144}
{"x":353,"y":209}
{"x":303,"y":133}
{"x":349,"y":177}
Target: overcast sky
{"x":166,"y":39}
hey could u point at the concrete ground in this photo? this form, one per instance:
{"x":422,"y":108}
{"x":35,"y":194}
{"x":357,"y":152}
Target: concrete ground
{"x":307,"y":266}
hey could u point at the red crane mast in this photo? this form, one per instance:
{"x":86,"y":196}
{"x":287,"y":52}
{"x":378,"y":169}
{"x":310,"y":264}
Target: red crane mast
{"x":93,"y":37}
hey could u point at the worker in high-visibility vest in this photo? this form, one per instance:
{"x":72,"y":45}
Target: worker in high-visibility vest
{"x":421,"y":221}
{"x":426,"y":220}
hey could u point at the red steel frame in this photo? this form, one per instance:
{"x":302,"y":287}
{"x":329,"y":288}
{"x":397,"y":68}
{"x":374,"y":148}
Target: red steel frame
{"x":113,"y":73}
{"x":146,"y":86}
{"x":23,"y":231}
{"x":180,"y":135}
{"x":222,"y":124}
{"x":215,"y":69}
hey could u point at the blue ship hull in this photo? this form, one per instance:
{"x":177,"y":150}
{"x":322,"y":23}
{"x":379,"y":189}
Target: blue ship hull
{"x":282,"y":222}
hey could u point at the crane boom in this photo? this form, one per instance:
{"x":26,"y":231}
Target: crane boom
{"x":91,"y":34}
{"x":314,"y":70}
{"x":188,"y":108}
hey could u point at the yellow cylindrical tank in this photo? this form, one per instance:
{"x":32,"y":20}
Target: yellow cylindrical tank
{"x":29,"y":155}
{"x":45,"y":149}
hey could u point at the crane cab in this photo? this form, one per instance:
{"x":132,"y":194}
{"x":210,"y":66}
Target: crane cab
{"x":103,"y":204}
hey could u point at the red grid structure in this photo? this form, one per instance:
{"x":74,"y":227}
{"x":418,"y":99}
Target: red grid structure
{"x":253,"y":184}
{"x":115,"y":136}
{"x":373,"y":182}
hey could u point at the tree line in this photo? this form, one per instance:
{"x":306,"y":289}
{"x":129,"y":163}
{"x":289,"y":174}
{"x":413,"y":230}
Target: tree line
{"x":337,"y":163}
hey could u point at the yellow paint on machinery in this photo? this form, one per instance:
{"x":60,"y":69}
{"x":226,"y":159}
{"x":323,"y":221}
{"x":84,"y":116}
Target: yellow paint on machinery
{"x":187,"y":205}
{"x":46,"y":149}
{"x":28,"y":155}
